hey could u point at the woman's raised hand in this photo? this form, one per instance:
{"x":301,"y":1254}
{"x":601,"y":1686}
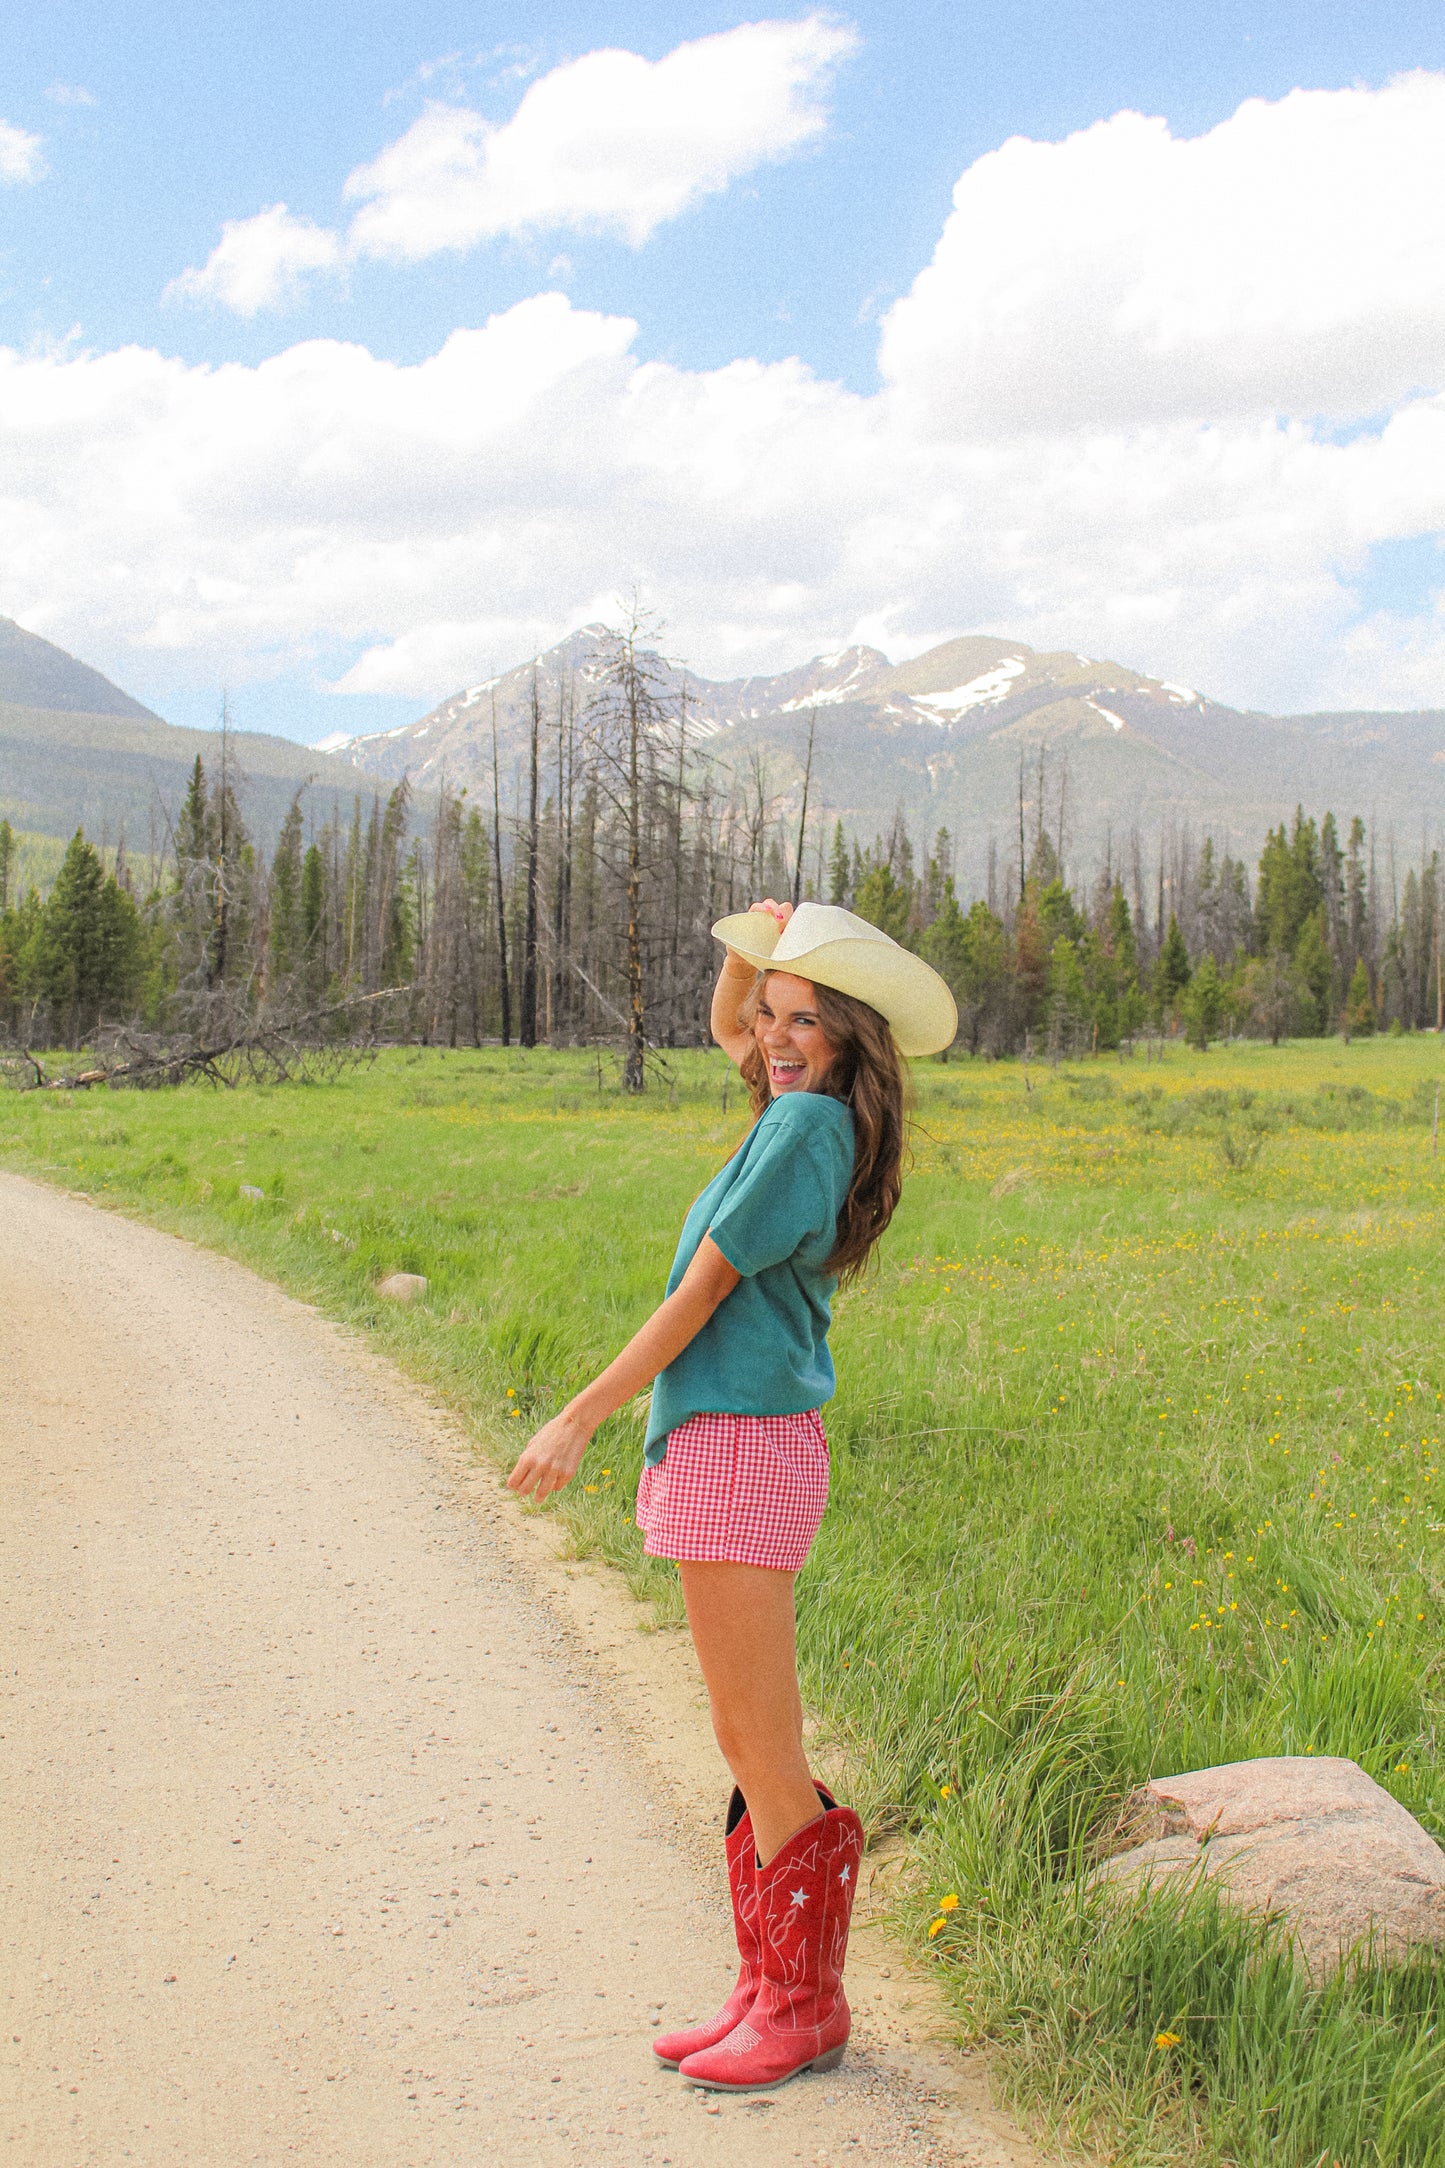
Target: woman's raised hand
{"x":550,"y":1458}
{"x":782,"y":912}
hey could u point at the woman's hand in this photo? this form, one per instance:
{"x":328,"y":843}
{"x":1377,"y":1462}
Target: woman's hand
{"x":554,"y":1455}
{"x":735,"y":982}
{"x":551,"y":1457}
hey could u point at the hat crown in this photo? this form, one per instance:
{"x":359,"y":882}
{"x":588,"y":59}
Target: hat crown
{"x":835,"y":948}
{"x":813,"y":924}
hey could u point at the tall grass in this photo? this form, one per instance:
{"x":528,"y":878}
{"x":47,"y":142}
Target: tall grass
{"x":1135,"y":1470}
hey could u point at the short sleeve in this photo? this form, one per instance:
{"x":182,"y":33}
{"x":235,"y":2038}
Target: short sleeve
{"x":785,"y":1193}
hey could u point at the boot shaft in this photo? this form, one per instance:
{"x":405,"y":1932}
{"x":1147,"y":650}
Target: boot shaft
{"x":805,"y":1904}
{"x":742,"y":1863}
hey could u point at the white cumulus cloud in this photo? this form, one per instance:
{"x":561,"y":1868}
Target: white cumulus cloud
{"x":259,"y":263}
{"x":609,"y":143}
{"x":20,"y":158}
{"x":1078,"y":479}
{"x":1290,"y":261}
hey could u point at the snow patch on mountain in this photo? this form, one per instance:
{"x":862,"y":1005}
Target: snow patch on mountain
{"x":984,"y":691}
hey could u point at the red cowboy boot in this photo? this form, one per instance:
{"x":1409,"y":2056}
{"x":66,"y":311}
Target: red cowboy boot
{"x":800,"y":2019}
{"x":742,"y":1859}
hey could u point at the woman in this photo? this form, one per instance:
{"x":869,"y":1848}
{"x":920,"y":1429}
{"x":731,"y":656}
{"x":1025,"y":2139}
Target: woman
{"x":815,"y":1006}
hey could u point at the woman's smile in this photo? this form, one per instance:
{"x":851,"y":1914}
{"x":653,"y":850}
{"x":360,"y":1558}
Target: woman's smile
{"x":790,"y":1037}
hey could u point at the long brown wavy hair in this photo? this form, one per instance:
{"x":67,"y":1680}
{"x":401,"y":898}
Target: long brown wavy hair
{"x":867,"y":1074}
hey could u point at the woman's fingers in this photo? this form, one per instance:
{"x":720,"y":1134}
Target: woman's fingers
{"x":549,"y":1460}
{"x":537,"y":1476}
{"x":782,"y":912}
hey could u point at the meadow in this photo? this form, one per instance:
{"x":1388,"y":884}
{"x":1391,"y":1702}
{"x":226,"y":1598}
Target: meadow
{"x":1136,"y":1469}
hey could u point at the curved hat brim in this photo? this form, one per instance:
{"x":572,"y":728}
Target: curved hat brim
{"x":908,"y":994}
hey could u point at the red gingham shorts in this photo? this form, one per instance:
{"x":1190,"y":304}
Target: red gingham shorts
{"x":746,"y":1488}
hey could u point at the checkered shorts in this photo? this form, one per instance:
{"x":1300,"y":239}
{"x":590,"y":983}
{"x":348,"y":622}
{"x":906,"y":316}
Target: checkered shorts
{"x":746,"y":1488}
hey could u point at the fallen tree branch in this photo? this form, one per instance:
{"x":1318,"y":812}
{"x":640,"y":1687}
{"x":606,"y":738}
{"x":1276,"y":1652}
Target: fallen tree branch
{"x":277,"y":1047}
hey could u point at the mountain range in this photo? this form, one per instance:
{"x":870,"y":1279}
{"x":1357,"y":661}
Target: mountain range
{"x":950,"y":739}
{"x":76,"y":751}
{"x":955,"y":736}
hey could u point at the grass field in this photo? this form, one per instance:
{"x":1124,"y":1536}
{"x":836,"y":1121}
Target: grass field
{"x":1136,"y":1459}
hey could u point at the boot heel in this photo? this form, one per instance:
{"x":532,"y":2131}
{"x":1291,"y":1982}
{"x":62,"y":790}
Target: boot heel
{"x":830,"y":2061}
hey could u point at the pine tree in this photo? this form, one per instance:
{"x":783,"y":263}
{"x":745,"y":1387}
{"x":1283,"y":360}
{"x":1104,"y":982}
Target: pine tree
{"x":85,"y":954}
{"x":1359,"y":1005}
{"x":313,"y":921}
{"x":288,"y":932}
{"x":944,"y":945}
{"x":1067,"y":997}
{"x":884,"y":902}
{"x":390,"y":903}
{"x":1171,"y":972}
{"x":1204,"y":1004}
{"x":838,"y":867}
{"x":1119,"y":936}
{"x":1356,"y":905}
{"x":1312,"y":963}
{"x":195,"y":842}
{"x":1059,"y":919}
{"x":18,"y":928}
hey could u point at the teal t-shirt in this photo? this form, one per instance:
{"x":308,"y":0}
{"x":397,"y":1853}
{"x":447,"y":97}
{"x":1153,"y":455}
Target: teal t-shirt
{"x":773,"y":1212}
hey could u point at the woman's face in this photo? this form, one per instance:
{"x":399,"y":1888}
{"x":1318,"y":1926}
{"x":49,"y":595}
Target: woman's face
{"x":790,"y":1036}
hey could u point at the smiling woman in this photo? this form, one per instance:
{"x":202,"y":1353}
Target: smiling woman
{"x":736,"y":1473}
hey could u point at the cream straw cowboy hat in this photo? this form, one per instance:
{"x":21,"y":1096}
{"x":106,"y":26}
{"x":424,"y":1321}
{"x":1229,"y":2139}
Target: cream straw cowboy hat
{"x":831,"y":947}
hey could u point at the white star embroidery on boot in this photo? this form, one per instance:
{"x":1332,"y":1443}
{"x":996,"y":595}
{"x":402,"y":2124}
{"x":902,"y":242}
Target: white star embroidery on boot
{"x":843,"y":1877}
{"x":800,"y":1896}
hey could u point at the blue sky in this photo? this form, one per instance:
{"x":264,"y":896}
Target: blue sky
{"x":156,"y":124}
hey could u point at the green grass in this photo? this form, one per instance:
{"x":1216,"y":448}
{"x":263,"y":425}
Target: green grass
{"x":1135,"y":1470}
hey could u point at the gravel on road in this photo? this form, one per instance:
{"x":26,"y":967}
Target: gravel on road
{"x":327,"y":1833}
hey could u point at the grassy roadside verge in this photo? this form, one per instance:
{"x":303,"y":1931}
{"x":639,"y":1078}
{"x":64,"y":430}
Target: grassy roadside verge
{"x":1135,"y":1469}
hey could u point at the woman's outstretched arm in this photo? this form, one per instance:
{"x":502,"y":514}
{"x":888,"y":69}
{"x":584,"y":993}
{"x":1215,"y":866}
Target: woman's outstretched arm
{"x":552,"y":1457}
{"x":734,"y":984}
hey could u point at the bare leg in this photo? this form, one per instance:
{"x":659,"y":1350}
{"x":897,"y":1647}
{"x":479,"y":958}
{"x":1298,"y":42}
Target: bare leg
{"x":743,"y":1629}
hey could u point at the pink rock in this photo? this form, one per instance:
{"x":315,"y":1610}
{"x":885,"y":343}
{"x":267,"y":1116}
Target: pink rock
{"x":402,"y":1287}
{"x":1311,"y":1840}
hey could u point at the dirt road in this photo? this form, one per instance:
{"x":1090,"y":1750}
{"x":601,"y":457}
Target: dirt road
{"x":322,"y":1837}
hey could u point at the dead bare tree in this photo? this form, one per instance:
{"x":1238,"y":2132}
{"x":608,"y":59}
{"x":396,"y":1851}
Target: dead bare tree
{"x":527,"y":1025}
{"x":803,"y":815}
{"x":629,"y":720}
{"x":500,"y":885}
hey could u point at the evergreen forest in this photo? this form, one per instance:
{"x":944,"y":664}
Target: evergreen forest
{"x":578,"y":911}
